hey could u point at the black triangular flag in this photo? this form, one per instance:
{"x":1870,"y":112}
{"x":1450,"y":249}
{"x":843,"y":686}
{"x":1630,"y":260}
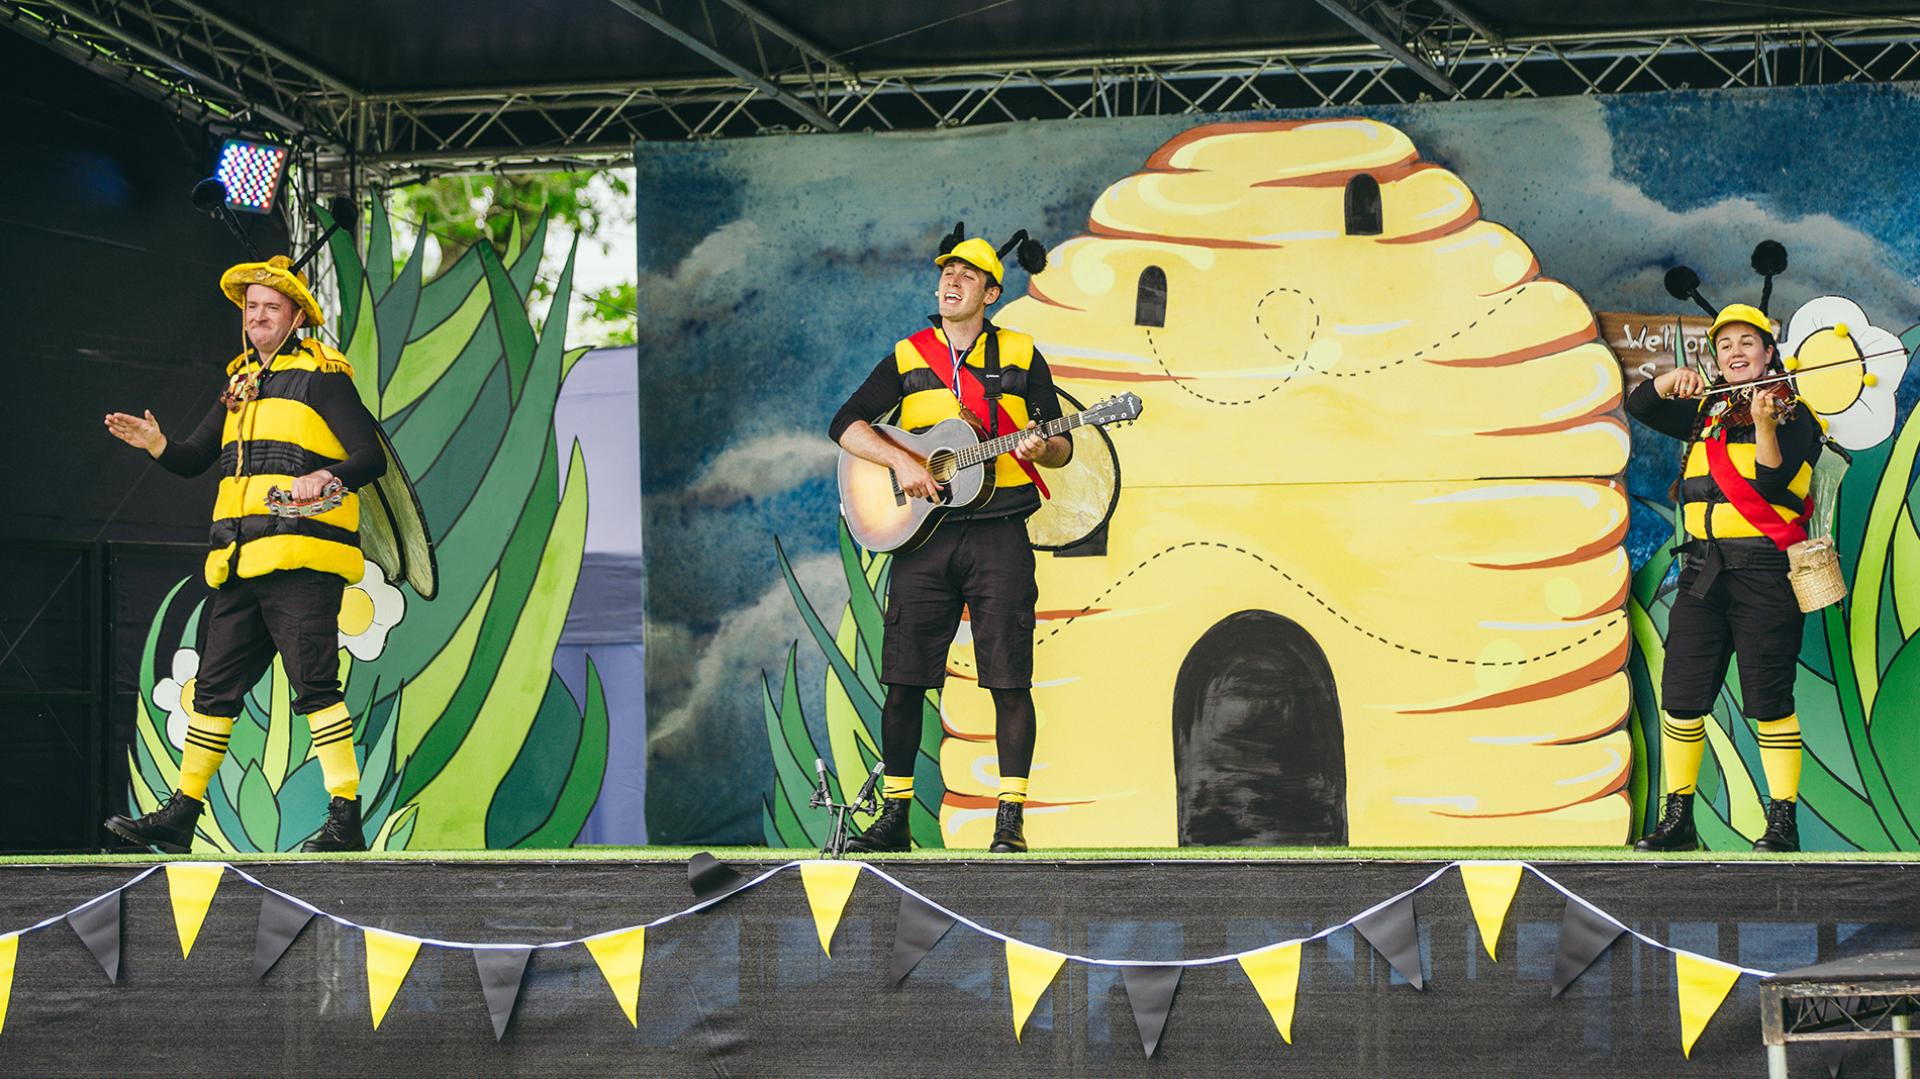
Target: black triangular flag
{"x":500,"y":972}
{"x":1584,"y":934}
{"x":1834,"y":1056}
{"x":919,"y":927}
{"x":710,"y":878}
{"x":98,"y":924}
{"x":1150,"y":991}
{"x":281,"y":920}
{"x":1392,"y":932}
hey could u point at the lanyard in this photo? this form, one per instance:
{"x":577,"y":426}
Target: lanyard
{"x":957,"y":359}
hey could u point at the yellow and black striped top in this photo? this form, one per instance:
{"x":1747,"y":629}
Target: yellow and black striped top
{"x":306,"y":416}
{"x":1704,"y":509}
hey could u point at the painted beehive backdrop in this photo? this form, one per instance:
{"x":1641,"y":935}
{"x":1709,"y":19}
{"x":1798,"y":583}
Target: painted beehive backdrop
{"x":1386,"y":567}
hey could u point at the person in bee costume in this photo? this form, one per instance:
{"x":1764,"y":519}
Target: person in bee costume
{"x":981,"y":557}
{"x":289,"y":421}
{"x":1742,"y":498}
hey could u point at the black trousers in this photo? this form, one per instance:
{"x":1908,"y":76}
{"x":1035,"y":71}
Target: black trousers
{"x":988,"y":567}
{"x":1733,"y":601}
{"x":293,"y":612}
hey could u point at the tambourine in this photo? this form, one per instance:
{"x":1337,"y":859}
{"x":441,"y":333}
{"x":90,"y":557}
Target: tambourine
{"x":281,"y":503}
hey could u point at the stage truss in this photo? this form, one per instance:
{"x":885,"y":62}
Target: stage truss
{"x":211,"y":69}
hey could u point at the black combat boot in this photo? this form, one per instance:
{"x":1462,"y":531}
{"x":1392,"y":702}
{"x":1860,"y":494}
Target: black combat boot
{"x":1675,"y":830}
{"x":1008,"y":837}
{"x":168,"y":829}
{"x":889,"y":831}
{"x":1783,"y":833}
{"x":341,"y":831}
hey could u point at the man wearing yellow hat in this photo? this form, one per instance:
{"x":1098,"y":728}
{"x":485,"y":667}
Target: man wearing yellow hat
{"x":289,"y":418}
{"x":979,"y":557}
{"x":1742,"y":498}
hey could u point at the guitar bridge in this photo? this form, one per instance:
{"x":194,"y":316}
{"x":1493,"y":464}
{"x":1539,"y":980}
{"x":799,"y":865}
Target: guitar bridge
{"x":893,"y":480}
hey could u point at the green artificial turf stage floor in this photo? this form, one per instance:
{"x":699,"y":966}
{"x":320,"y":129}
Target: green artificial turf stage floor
{"x":765,"y":855}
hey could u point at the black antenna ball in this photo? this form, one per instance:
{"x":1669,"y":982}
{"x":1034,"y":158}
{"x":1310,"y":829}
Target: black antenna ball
{"x":1769,"y":258}
{"x":1682,"y":282}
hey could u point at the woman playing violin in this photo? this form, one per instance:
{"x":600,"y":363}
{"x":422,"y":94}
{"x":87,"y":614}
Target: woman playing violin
{"x":1742,"y":496}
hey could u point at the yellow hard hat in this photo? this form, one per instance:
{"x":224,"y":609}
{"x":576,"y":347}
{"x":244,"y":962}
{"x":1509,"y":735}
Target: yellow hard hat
{"x":977,"y":253}
{"x":1740,"y":312}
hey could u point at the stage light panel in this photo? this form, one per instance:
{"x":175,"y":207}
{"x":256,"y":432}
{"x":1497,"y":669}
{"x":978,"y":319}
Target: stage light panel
{"x":252,"y":172}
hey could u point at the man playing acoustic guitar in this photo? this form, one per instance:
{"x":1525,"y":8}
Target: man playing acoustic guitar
{"x":980,"y":556}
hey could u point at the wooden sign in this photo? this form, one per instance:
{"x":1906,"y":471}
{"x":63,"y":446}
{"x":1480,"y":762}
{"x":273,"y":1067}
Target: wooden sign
{"x":1644,"y":343}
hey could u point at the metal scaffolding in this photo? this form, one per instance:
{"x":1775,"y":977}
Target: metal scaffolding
{"x":211,"y":69}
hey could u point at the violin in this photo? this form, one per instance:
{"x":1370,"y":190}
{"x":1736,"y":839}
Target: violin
{"x":1740,"y":400}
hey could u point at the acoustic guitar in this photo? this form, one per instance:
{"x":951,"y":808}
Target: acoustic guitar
{"x":880,"y":515}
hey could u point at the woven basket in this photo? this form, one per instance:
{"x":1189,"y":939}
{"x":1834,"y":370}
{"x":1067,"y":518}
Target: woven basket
{"x":1814,"y":572}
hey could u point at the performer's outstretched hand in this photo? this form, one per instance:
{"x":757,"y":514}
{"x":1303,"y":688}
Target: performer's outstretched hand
{"x":142,"y":431}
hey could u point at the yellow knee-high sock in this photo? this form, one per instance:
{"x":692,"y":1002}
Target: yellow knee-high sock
{"x":206,"y":747}
{"x":1780,"y":756}
{"x":1013,"y":789}
{"x":333,"y":744}
{"x":896,"y":786}
{"x":1683,"y":742}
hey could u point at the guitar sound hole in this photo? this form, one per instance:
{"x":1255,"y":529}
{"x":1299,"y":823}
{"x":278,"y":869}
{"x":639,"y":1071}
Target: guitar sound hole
{"x":941,"y":465}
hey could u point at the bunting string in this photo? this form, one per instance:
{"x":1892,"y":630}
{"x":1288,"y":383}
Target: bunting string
{"x":901,"y":886}
{"x":1389,"y":926}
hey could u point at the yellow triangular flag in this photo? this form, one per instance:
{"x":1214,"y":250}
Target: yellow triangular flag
{"x":9,"y":951}
{"x":1275,"y":973}
{"x":829,"y":885}
{"x":1030,"y":971}
{"x":191,"y":886}
{"x":1703,"y":985}
{"x":1490,"y":888}
{"x":619,"y":955}
{"x":389,"y":957}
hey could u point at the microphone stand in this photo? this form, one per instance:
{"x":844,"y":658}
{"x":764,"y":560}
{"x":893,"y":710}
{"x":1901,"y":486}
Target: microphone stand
{"x":864,"y":802}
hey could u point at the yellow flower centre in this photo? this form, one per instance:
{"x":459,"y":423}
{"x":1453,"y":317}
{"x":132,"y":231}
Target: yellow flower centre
{"x":186,"y":694}
{"x":356,"y":612}
{"x":1831,"y":389}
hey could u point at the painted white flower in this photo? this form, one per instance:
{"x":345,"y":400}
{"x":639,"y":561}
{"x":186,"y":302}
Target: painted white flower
{"x":176,"y":693}
{"x":367,"y":611}
{"x":1823,"y":339}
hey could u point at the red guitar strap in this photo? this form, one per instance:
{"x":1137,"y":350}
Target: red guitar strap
{"x":1752,"y":505}
{"x":972,"y":395}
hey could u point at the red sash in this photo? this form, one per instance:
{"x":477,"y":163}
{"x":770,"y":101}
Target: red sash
{"x":972,"y":394}
{"x":1751,"y":504}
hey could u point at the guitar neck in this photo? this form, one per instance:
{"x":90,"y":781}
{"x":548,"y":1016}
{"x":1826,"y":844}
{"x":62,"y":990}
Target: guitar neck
{"x":994,"y":447}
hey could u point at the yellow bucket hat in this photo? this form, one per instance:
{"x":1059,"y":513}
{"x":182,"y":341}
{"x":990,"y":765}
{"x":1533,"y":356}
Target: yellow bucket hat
{"x":277,"y":274}
{"x":977,"y":253}
{"x":1740,"y":312}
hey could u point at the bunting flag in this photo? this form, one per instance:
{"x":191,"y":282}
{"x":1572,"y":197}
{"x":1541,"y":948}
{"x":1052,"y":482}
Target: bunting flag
{"x":1275,"y":973}
{"x":9,"y":952}
{"x":620,"y":955}
{"x":281,"y":920}
{"x":98,"y":924}
{"x":389,"y":957}
{"x":711,"y":878}
{"x":1150,"y":992}
{"x":918,"y":928}
{"x":1584,"y":934}
{"x":1030,"y":971}
{"x":1703,"y":984}
{"x":1490,"y":890}
{"x":1393,"y":933}
{"x":829,"y":885}
{"x":501,"y":972}
{"x":191,"y":886}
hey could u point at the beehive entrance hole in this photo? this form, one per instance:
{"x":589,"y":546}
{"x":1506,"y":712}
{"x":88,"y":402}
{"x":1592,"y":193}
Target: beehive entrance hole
{"x":1259,"y":751}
